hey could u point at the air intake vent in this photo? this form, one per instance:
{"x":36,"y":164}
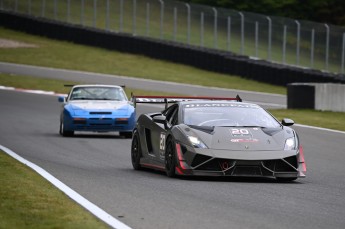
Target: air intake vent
{"x":199,"y":159}
{"x":100,"y":113}
{"x":103,"y":119}
{"x":121,"y":122}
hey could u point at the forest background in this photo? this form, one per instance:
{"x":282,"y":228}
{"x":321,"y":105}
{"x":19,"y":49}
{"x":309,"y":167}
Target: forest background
{"x":323,"y":11}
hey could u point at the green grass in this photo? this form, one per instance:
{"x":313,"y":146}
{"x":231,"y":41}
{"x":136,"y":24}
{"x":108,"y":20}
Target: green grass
{"x":67,"y":55}
{"x":29,"y":201}
{"x":325,"y":119}
{"x":36,"y":83}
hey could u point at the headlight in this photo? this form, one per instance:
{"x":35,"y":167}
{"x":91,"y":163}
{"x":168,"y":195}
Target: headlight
{"x":290,"y":144}
{"x":68,"y":112}
{"x":196,"y":142}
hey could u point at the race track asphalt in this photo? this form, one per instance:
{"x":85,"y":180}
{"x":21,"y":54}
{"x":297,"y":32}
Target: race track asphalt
{"x":98,"y":167}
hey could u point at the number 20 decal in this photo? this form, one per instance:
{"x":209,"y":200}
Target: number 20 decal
{"x":162,"y":142}
{"x":236,"y":132}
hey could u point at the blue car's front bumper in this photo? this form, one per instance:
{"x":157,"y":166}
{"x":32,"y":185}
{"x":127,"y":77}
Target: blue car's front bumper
{"x":99,"y":122}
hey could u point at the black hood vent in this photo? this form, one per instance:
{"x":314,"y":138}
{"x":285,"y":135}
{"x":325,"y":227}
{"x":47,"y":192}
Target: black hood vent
{"x":206,"y":129}
{"x":271,"y":131}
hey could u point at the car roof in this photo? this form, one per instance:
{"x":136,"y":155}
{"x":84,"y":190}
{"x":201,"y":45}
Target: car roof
{"x":96,"y":85}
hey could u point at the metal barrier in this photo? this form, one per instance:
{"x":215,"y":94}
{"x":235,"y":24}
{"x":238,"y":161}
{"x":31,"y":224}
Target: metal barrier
{"x":286,"y":41}
{"x":318,"y":96}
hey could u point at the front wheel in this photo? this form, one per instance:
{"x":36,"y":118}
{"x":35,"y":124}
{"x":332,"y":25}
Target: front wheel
{"x":170,"y":158}
{"x":136,"y":151}
{"x":63,"y":132}
{"x":126,"y":134}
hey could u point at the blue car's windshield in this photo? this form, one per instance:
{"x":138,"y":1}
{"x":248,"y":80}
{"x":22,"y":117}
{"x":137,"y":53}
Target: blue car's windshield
{"x":98,"y":93}
{"x":227,"y":114}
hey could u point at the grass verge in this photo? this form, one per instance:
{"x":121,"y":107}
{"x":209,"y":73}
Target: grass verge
{"x":66,"y":55}
{"x":29,"y":201}
{"x":35,"y":83}
{"x":325,"y":119}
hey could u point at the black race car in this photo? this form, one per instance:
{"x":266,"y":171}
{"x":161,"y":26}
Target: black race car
{"x":216,"y":137}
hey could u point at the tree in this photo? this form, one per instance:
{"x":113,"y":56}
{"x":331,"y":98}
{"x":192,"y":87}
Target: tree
{"x":324,"y":11}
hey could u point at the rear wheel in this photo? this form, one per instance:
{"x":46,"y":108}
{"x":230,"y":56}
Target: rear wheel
{"x":170,"y":158}
{"x":63,"y":132}
{"x":136,"y":151}
{"x":126,"y":134}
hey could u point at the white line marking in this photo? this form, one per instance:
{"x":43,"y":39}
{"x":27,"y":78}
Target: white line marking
{"x":31,"y":91}
{"x":98,"y":212}
{"x":320,"y":128}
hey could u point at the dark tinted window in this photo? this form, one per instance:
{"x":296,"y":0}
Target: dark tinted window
{"x":171,"y":114}
{"x":98,"y":93}
{"x":227,"y":114}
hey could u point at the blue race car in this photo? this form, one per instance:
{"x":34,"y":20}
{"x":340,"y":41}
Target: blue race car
{"x":98,"y":108}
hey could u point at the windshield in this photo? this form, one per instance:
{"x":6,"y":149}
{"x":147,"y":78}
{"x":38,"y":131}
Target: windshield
{"x":218,"y":114}
{"x":98,"y":93}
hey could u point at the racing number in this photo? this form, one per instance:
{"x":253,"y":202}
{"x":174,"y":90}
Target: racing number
{"x":239,"y":132}
{"x":162,"y":142}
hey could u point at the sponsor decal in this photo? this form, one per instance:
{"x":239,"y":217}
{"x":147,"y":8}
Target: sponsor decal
{"x":240,"y":132}
{"x":242,"y":135}
{"x":195,"y":105}
{"x":162,"y":145}
{"x":240,"y":140}
{"x":159,"y":100}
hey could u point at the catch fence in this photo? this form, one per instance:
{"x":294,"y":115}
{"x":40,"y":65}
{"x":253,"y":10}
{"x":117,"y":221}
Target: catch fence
{"x":281,"y":40}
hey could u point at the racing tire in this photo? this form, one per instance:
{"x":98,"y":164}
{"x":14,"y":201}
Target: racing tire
{"x":126,"y":134}
{"x":170,"y":158}
{"x":136,"y":151}
{"x":65,"y":133}
{"x":286,"y":179}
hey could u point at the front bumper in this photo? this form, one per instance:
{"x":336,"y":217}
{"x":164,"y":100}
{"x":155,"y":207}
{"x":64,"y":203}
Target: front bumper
{"x":286,"y":167}
{"x":99,"y":123}
{"x":207,"y":162}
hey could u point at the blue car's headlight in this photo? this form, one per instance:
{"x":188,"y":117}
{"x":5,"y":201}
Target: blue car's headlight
{"x":290,"y":144}
{"x":196,"y":142}
{"x":68,"y":112}
{"x":81,"y":112}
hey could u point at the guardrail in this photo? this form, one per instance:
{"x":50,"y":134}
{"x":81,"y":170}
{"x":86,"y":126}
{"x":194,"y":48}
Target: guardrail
{"x":274,"y":39}
{"x":318,"y":96}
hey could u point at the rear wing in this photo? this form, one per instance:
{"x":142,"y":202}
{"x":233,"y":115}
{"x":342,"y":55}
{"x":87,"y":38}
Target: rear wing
{"x":173,"y":99}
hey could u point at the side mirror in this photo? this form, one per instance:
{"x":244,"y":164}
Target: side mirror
{"x":287,"y":122}
{"x":62,"y":99}
{"x":160,"y":119}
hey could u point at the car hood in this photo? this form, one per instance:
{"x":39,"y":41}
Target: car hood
{"x":99,"y":105}
{"x":244,"y":138}
{"x":84,"y":107}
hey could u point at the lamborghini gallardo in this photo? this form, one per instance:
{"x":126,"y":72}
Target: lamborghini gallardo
{"x":198,"y":136}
